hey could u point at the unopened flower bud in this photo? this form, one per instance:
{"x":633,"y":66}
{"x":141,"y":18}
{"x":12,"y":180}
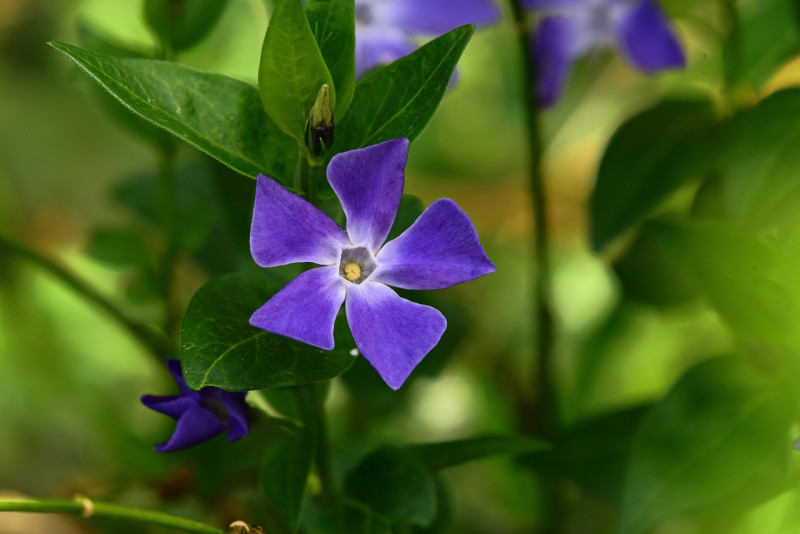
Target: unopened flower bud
{"x":319,"y":128}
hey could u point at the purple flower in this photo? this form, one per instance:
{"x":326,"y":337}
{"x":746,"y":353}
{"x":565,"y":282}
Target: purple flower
{"x":572,"y":28}
{"x":387,"y":29}
{"x":439,"y":250}
{"x":201,"y":415}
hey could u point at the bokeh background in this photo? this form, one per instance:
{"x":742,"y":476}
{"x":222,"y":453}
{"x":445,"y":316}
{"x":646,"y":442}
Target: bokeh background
{"x":74,"y":187}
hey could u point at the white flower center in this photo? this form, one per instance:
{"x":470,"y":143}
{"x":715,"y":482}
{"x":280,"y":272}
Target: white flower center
{"x":356,"y":264}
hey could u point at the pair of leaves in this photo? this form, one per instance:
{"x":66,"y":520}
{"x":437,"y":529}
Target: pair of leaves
{"x":398,"y":485}
{"x":711,"y":436}
{"x":224,"y":117}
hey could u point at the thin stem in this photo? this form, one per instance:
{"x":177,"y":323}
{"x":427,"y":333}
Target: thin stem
{"x":170,"y":229}
{"x":87,"y":508}
{"x":312,"y":403}
{"x":304,"y":173}
{"x":541,"y":295}
{"x":148,"y":337}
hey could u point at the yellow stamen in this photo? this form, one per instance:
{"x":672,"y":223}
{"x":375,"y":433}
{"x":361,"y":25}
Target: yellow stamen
{"x":352,"y":271}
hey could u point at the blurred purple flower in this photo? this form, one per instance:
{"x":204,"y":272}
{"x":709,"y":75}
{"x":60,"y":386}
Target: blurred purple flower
{"x":572,"y":28}
{"x":386,"y":29}
{"x":201,"y":414}
{"x":439,"y":250}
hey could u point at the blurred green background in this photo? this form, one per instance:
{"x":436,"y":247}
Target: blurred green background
{"x":70,"y":378}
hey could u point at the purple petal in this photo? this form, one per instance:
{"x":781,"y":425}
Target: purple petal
{"x":369,"y":182}
{"x":393,"y":334}
{"x":174,"y":366}
{"x":551,"y":4}
{"x":440,"y":16}
{"x":555,"y":45}
{"x":305,"y":309}
{"x":379,"y":46}
{"x":172,"y":405}
{"x":194,"y":426}
{"x":647,"y":39}
{"x":288,"y":229}
{"x":439,"y":250}
{"x":238,"y":420}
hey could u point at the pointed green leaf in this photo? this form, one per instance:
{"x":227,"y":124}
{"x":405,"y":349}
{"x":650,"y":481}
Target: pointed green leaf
{"x":333,"y":25}
{"x":437,"y":456}
{"x":292,"y":70}
{"x":219,"y":115}
{"x":284,"y":473}
{"x":220,"y":348}
{"x":398,"y":100}
{"x":649,"y":157}
{"x":705,"y":440}
{"x":394,"y":485}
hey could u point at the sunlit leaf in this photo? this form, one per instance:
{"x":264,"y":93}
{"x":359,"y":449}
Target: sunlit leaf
{"x":703,"y":441}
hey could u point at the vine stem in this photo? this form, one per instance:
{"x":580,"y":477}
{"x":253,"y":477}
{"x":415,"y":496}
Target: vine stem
{"x":87,"y":508}
{"x":147,"y":336}
{"x":541,"y":285}
{"x":169,"y":219}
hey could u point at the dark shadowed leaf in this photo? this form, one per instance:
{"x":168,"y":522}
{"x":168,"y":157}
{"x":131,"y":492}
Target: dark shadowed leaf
{"x":292,"y":70}
{"x":333,"y":25}
{"x":705,"y":440}
{"x":284,"y":473}
{"x":220,"y":348}
{"x":219,"y":115}
{"x":398,"y":100}
{"x":437,"y":456}
{"x":395,"y":486}
{"x":409,"y":210}
{"x":181,"y":24}
{"x":648,"y":158}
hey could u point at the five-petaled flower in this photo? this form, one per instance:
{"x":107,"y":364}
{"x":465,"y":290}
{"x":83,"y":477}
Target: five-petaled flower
{"x":571,"y":28}
{"x":201,"y":414}
{"x":387,"y":29}
{"x":439,"y":250}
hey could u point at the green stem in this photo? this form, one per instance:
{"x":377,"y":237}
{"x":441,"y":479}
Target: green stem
{"x":148,"y":337}
{"x":86,"y":508}
{"x":170,"y":228}
{"x":304,"y":172}
{"x":312,"y":404}
{"x":541,"y":295}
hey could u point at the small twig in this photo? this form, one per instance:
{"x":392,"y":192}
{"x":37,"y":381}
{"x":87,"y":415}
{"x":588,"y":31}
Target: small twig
{"x":86,"y":508}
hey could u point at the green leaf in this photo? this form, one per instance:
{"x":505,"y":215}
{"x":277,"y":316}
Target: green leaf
{"x":284,"y":473}
{"x":703,"y":441}
{"x":292,"y":70}
{"x":220,"y":348}
{"x":766,"y":37}
{"x":333,"y":25}
{"x":760,"y":182}
{"x":649,"y":157}
{"x":181,"y":24}
{"x":735,"y":270}
{"x":436,"y":456}
{"x":219,"y":115}
{"x":395,"y":486}
{"x":398,"y":100}
{"x":350,"y":517}
{"x":651,"y":272}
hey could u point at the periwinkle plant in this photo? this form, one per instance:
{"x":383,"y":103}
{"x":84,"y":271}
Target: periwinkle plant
{"x":343,"y":92}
